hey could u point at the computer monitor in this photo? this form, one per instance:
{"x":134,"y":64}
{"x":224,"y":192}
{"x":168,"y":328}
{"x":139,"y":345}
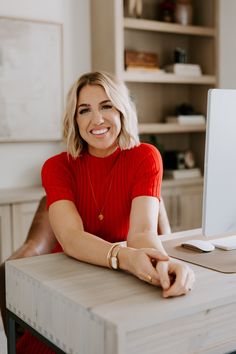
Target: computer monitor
{"x":219,"y":194}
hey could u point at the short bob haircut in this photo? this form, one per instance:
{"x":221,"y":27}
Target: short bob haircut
{"x":118,"y":93}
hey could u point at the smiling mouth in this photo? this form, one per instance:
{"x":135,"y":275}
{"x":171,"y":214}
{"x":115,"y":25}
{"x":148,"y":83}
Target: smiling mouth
{"x":99,"y":131}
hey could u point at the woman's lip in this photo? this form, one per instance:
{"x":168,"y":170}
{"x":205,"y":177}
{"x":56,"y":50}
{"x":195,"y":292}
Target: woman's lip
{"x":99,"y":131}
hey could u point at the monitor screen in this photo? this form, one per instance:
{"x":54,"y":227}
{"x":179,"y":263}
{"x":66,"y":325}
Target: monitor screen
{"x":219,"y":194}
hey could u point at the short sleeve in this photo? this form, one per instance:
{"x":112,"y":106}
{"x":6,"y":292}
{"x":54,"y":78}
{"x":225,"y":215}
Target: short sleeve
{"x":57,"y":179}
{"x":148,"y":175}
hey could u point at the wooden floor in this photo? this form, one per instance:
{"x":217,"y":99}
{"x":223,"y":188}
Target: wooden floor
{"x":3,"y":341}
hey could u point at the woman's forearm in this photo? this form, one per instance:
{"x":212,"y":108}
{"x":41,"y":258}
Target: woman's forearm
{"x":89,"y":248}
{"x":146,"y":239}
{"x":77,"y":243}
{"x":86,"y":247}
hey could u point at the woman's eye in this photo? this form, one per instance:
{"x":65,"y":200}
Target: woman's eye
{"x":107,"y":106}
{"x":84,"y":111}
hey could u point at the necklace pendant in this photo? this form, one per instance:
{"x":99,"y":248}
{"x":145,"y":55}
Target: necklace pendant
{"x":100,"y":217}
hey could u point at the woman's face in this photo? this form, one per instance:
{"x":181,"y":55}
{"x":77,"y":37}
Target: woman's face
{"x":98,"y":120}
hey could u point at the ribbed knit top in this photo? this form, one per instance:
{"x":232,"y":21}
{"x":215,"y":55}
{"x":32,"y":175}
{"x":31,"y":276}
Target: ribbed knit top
{"x":106,"y":184}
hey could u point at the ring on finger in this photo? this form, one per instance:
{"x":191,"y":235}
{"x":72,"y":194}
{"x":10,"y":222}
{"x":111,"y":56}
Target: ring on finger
{"x":149,"y":278}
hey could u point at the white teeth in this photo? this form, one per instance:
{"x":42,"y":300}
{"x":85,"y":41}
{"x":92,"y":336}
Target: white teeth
{"x":100,"y":131}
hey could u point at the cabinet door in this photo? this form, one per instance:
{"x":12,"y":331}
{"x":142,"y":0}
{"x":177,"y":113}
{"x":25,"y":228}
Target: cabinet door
{"x":172,"y":208}
{"x":183,"y":206}
{"x":22,"y":216}
{"x":190,"y":210}
{"x":5,"y":232}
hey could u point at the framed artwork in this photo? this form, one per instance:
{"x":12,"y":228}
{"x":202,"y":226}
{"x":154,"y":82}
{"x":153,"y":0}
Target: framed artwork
{"x":31,"y":87}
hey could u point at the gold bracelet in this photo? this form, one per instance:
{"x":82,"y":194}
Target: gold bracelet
{"x":114,"y":260}
{"x":109,"y":254}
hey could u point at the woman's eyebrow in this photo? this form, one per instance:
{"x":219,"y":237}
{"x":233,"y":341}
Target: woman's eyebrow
{"x":88,"y":105}
{"x":106,"y":101}
{"x":84,"y":104}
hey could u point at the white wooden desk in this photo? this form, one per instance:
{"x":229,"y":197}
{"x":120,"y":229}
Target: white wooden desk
{"x":92,"y":310}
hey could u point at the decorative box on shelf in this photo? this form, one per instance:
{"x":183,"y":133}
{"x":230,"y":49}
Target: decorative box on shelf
{"x":137,"y":59}
{"x":144,"y":69}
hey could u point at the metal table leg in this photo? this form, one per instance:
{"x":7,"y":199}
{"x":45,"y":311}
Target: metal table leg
{"x":12,"y":319}
{"x":11,"y":334}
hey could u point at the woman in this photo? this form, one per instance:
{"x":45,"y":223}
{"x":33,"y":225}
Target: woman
{"x":106,"y":189}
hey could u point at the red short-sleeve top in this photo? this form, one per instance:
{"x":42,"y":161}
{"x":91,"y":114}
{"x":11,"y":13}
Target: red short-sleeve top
{"x":106,"y":185}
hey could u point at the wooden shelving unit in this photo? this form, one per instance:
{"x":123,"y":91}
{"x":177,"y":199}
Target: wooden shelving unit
{"x":157,"y":93}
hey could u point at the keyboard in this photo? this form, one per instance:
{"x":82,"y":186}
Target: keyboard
{"x":227,"y":243}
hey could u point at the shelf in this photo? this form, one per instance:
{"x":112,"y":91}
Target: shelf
{"x":164,"y":128}
{"x":165,"y":78}
{"x":158,"y":26}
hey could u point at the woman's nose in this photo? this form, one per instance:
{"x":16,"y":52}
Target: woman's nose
{"x":98,"y":117}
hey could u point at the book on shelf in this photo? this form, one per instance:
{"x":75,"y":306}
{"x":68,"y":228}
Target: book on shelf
{"x":186,"y":119}
{"x":184,"y":69}
{"x":182,"y":173}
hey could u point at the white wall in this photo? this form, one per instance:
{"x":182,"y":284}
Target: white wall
{"x":20,"y":163}
{"x":227,"y":44}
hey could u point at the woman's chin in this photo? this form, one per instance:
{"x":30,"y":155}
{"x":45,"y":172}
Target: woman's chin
{"x":102,"y":150}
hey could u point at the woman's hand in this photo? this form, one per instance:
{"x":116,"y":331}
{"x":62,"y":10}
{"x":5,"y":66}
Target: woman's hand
{"x":175,"y":278}
{"x":141,"y":263}
{"x":154,"y":267}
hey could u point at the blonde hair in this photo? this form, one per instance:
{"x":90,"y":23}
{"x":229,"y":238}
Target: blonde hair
{"x":118,"y":93}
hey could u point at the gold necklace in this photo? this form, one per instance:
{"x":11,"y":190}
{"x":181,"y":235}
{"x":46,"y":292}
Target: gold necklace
{"x":101,"y":210}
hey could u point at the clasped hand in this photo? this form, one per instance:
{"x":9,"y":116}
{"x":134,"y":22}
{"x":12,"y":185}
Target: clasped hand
{"x":155,"y":267}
